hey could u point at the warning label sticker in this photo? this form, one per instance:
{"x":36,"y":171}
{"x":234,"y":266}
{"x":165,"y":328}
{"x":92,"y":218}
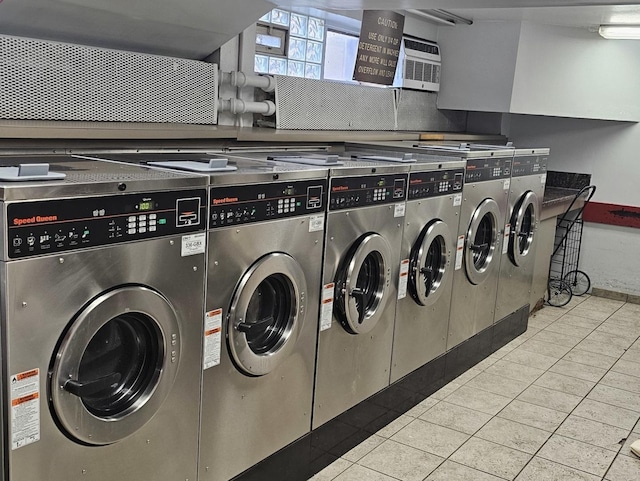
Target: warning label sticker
{"x":457,"y":200}
{"x":399,"y":210}
{"x":326,"y":306}
{"x":505,"y":240}
{"x":507,"y":184}
{"x":404,"y":279}
{"x":543,"y":178}
{"x":459,"y":252}
{"x":25,"y":408}
{"x":212,"y":338}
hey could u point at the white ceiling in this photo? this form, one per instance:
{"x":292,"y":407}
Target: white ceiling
{"x":576,"y":13}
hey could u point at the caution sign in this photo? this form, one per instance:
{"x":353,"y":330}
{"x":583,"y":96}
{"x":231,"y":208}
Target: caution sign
{"x":25,"y":408}
{"x":326,"y":306}
{"x":404,"y":279}
{"x":212,"y":338}
{"x":379,"y":46}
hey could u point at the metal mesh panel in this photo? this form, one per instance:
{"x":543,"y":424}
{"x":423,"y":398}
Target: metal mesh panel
{"x":320,"y":105}
{"x":417,"y":111}
{"x":55,"y":81}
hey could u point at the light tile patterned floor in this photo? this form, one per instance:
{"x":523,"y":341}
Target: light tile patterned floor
{"x":560,"y":402}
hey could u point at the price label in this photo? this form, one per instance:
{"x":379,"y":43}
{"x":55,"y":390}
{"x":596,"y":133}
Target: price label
{"x":194,"y":244}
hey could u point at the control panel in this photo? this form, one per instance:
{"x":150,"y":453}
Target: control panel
{"x":423,"y":185}
{"x":362,"y":191}
{"x":44,"y":227}
{"x":531,"y":165}
{"x":245,"y":204}
{"x":480,"y":170}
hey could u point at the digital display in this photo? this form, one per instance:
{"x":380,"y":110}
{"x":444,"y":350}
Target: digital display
{"x":144,"y":206}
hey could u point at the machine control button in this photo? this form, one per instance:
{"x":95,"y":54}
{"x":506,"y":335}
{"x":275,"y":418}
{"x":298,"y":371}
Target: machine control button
{"x":142,"y":230}
{"x":131,"y":231}
{"x":152,"y":228}
{"x":132,"y":218}
{"x":142,"y":217}
{"x":153,"y":216}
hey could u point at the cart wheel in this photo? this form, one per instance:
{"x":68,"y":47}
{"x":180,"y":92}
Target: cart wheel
{"x":578,"y":281}
{"x":558,"y":293}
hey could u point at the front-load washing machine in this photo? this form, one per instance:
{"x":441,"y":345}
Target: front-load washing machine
{"x":528,"y":177}
{"x":361,"y":266}
{"x":102,"y":295}
{"x":481,"y":232}
{"x":427,"y":256}
{"x":266,"y":228}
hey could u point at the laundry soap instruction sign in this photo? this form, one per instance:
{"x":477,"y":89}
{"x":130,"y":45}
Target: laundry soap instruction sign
{"x":379,"y":47}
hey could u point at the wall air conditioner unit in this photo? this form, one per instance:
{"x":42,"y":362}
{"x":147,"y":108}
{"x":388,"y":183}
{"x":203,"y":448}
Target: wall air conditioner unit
{"x":418,"y":65}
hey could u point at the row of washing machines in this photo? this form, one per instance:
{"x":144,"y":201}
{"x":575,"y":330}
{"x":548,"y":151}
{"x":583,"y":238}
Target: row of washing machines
{"x":176,"y":316}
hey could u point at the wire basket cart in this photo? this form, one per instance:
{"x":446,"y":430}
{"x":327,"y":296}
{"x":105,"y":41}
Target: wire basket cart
{"x":565,"y":277}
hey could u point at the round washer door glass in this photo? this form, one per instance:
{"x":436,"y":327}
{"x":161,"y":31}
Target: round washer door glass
{"x":267,"y":314}
{"x":363,"y":283}
{"x":115,"y":365}
{"x":481,"y":241}
{"x":523,"y":226}
{"x":430,"y":259}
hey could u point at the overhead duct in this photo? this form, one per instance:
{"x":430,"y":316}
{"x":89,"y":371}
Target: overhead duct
{"x":190,"y":29}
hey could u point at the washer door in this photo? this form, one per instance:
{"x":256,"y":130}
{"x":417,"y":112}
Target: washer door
{"x":523,"y":226}
{"x":429,"y":263}
{"x":363,"y":282}
{"x":115,"y":365}
{"x":481,"y":241}
{"x":266,"y":314}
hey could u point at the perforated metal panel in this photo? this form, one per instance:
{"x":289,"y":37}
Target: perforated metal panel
{"x":44,"y":80}
{"x":321,"y":105}
{"x":417,"y":111}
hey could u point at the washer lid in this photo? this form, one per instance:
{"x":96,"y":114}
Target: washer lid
{"x":482,"y":241}
{"x":115,"y":365}
{"x":430,"y":262}
{"x":267,"y":314}
{"x":363,"y":282}
{"x":524,"y":221}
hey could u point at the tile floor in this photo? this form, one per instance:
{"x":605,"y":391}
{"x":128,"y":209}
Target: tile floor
{"x":561,"y":402}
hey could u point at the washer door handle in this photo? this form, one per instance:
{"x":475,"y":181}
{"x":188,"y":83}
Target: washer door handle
{"x":247,"y":328}
{"x":427,"y":272}
{"x":359,"y":294}
{"x":88,"y":388}
{"x":478,"y":247}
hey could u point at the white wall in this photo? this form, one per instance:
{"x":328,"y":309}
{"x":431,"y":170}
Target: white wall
{"x":610,"y":152}
{"x":571,"y":72}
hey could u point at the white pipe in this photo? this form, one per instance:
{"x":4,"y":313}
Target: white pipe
{"x":239,"y":106}
{"x":241,"y":79}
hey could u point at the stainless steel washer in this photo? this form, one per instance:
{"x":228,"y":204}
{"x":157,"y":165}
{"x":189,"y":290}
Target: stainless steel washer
{"x":102,"y":295}
{"x":528,"y":177}
{"x":427,"y":255}
{"x":480,"y":235}
{"x":364,"y":220}
{"x":266,"y":228}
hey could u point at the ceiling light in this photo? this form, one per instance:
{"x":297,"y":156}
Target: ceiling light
{"x":620,"y":31}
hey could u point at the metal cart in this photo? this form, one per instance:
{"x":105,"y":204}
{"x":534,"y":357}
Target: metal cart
{"x":565,"y":277}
